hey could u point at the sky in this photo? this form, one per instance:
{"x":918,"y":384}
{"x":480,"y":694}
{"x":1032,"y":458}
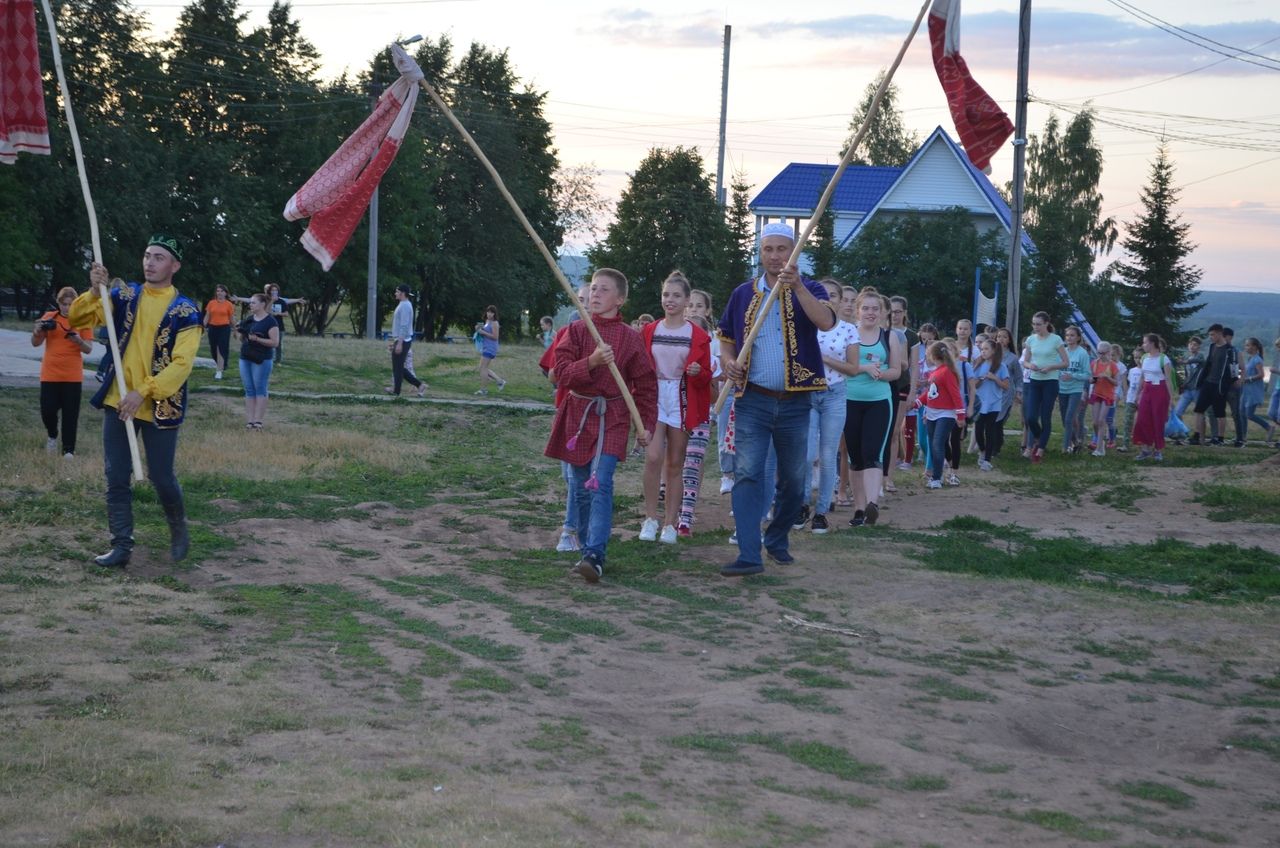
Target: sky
{"x":623,"y":78}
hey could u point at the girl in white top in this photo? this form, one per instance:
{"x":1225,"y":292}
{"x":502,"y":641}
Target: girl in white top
{"x":671,"y":344}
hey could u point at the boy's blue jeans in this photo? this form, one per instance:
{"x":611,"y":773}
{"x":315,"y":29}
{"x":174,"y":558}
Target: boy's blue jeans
{"x":595,"y":508}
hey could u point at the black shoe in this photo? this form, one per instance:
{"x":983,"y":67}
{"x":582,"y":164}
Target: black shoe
{"x":589,"y":568}
{"x":859,"y":519}
{"x":873,"y":512}
{"x":819,"y":525}
{"x":780,"y":557}
{"x":738,"y":568}
{"x":802,"y":519}
{"x":1217,"y":443}
{"x":1237,"y":444}
{"x":114,"y":558}
{"x":1194,"y":440}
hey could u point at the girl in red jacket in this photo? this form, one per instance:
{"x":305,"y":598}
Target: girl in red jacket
{"x":943,"y":407}
{"x":681,"y":354}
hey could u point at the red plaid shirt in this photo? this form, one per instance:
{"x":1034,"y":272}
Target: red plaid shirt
{"x":583,"y":383}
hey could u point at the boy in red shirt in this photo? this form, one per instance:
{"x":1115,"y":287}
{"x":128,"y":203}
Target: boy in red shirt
{"x":592,"y":426}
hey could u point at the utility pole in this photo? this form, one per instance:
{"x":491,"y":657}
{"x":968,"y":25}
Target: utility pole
{"x":724,"y":113}
{"x":371,"y":304}
{"x":1019,"y":170}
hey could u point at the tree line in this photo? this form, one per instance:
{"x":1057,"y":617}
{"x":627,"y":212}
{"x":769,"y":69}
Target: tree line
{"x":208,"y":133}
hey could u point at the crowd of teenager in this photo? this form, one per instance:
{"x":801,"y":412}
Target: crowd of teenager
{"x":896,"y":396}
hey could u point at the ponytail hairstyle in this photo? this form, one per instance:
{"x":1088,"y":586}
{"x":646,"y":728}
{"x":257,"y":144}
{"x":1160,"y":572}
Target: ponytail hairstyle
{"x":996,"y":359}
{"x":706,"y":297}
{"x":940,"y":353}
{"x":1155,"y":339}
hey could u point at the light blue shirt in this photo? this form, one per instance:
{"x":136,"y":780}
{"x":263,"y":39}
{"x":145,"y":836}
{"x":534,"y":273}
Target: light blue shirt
{"x":402,"y":322}
{"x":768,"y":370}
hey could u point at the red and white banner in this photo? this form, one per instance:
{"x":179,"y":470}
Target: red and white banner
{"x":23,"y":127}
{"x":337,"y":195}
{"x":982,"y":125}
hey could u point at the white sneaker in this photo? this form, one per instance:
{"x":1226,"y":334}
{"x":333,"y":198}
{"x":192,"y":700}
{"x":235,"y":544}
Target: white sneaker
{"x":985,"y":465}
{"x":568,"y":541}
{"x":51,"y":445}
{"x":935,"y":484}
{"x":668,"y":536}
{"x":217,"y":375}
{"x":68,"y":455}
{"x":726,"y":484}
{"x":1099,"y":452}
{"x":953,"y":480}
{"x":649,"y":530}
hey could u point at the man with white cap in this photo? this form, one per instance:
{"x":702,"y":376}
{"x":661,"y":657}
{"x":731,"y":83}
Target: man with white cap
{"x":772,"y":395}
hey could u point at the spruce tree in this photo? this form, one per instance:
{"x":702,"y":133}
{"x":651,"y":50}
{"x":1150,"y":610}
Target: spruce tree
{"x":741,"y":230}
{"x":1157,"y":284}
{"x":888,"y":141}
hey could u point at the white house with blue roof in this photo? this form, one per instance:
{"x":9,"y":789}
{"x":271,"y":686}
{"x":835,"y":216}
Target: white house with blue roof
{"x":938,"y":177}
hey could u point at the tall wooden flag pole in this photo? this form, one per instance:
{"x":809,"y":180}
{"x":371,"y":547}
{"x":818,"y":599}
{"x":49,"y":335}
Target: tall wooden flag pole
{"x":542,"y":248}
{"x":745,"y":348}
{"x":105,"y":294}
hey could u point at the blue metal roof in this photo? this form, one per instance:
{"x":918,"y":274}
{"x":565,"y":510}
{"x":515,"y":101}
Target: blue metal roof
{"x":799,"y":185}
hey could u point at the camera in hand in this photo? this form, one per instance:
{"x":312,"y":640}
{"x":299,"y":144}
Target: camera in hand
{"x":48,"y":324}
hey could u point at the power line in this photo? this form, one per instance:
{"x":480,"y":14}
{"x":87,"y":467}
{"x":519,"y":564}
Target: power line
{"x":1200,"y":41}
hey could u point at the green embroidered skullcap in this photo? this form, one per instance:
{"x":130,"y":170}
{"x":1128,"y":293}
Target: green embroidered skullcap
{"x":169,"y":243}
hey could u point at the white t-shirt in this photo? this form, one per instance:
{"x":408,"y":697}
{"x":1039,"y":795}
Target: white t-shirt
{"x":1153,"y":368}
{"x":1135,"y":377}
{"x":671,"y":350}
{"x":834,"y":343}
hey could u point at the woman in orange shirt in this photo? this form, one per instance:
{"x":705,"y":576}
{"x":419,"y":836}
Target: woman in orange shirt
{"x":217,"y":323}
{"x":61,"y":371}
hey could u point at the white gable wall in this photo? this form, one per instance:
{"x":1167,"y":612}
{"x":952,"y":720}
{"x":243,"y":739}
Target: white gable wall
{"x":935,"y":181}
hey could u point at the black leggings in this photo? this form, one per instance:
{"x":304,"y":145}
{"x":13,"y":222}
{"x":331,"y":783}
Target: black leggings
{"x":868,"y":424}
{"x":988,"y":430}
{"x":955,"y":444}
{"x":895,"y":402}
{"x":220,"y":344}
{"x":64,"y":398}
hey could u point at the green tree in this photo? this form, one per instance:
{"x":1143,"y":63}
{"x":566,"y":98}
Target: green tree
{"x":888,"y":141}
{"x":821,"y":248}
{"x":1063,"y":217}
{"x":1157,"y":284}
{"x":741,"y":232}
{"x":929,"y":259}
{"x":668,"y":218}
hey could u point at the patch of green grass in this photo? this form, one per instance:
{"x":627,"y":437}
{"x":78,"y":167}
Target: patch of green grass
{"x":1217,"y":572}
{"x":984,"y":766}
{"x":1175,"y":678}
{"x":142,"y":832}
{"x":1269,"y":745}
{"x":1127,"y":653}
{"x":828,"y":759}
{"x":715,"y":745}
{"x":815,"y":679}
{"x":946,"y":689}
{"x":1255,"y":500}
{"x":817,"y":793}
{"x":1123,"y":497}
{"x":1202,"y":782}
{"x":565,"y":737}
{"x":813,"y":702}
{"x":483,"y":679}
{"x":350,"y":553}
{"x":1054,"y":820}
{"x":920,"y":783}
{"x":1160,"y":793}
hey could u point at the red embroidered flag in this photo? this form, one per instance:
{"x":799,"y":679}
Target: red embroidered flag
{"x":981,"y":124}
{"x":337,"y":195}
{"x":23,"y":127}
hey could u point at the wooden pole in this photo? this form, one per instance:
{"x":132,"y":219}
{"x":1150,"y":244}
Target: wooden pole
{"x":542,"y":248}
{"x":105,"y":293}
{"x":824,"y":199}
{"x":1013,"y":299}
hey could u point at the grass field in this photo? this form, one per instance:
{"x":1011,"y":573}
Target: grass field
{"x":372,"y":644}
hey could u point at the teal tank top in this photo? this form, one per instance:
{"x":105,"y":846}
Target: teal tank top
{"x":863,"y":387}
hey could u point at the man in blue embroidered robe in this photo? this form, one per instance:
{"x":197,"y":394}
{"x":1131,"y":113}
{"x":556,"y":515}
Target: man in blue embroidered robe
{"x":773,"y":395}
{"x":159,"y":332}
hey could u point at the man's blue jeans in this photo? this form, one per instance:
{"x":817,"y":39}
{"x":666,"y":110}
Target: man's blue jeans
{"x":722,"y":423}
{"x":826,"y":424}
{"x":595,"y":508}
{"x":1040,"y":398}
{"x":761,"y":421}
